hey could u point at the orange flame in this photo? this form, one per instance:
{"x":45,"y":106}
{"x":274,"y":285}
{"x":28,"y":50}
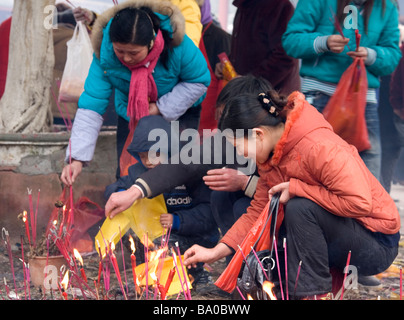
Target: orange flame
{"x":132,"y":244}
{"x":65,"y":281}
{"x":249,"y":297}
{"x":78,"y":256}
{"x":24,"y":216}
{"x":267,"y":287}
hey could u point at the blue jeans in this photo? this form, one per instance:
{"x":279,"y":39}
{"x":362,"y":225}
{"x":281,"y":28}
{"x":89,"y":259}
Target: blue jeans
{"x":371,"y":157}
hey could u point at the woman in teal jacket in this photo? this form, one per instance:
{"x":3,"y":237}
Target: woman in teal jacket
{"x":158,"y":71}
{"x":312,"y":37}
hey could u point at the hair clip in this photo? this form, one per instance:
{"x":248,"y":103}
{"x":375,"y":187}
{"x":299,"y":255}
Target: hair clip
{"x":267,"y":104}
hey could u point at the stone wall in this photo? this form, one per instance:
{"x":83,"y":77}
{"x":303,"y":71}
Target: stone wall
{"x":35,"y":162}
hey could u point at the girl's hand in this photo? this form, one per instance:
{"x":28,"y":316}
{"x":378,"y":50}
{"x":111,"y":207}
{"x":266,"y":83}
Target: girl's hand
{"x":225,"y":180}
{"x":200,"y":254}
{"x":283,"y":189}
{"x":362,"y":53}
{"x":337,"y":43}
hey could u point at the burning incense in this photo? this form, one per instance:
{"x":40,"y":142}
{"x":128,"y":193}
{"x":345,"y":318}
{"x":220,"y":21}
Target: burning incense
{"x":6,"y":238}
{"x":401,"y":283}
{"x":297,"y":277}
{"x":116,"y":269}
{"x":245,"y":260}
{"x":346,"y":272}
{"x":286,"y":269}
{"x":259,"y":261}
{"x":239,"y":291}
{"x":23,"y":267}
{"x":337,"y":24}
{"x":123,"y":261}
{"x":35,"y":219}
{"x":183,"y":271}
{"x":279,"y":267}
{"x":146,"y":257}
{"x":179,"y":276}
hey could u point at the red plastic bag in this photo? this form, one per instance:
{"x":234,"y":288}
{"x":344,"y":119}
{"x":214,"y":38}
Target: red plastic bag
{"x":345,"y":110}
{"x":74,"y":224}
{"x":228,"y":279}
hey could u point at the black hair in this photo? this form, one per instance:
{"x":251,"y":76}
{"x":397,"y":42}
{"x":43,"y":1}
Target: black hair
{"x":253,"y":110}
{"x":139,"y":26}
{"x":242,"y":84}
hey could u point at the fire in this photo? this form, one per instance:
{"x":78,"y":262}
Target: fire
{"x":155,"y":255}
{"x":24,"y":216}
{"x":267,"y":287}
{"x":132,"y":245}
{"x":153,"y":276}
{"x":78,"y":256}
{"x":112,"y":246}
{"x":249,"y":297}
{"x":65,"y":281}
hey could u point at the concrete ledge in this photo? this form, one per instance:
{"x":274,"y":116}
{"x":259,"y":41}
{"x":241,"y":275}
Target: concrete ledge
{"x":35,"y":161}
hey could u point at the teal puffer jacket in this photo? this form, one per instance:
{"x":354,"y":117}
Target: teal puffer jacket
{"x":186,"y":63}
{"x":314,"y":18}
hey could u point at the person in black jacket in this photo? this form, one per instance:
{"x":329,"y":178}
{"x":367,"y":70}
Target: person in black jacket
{"x":188,"y":204}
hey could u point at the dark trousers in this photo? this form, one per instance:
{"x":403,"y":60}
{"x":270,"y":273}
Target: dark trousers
{"x":322,"y":240}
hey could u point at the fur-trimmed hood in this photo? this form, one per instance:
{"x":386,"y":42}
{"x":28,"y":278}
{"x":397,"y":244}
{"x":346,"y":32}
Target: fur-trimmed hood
{"x":301,"y":119}
{"x":162,"y":7}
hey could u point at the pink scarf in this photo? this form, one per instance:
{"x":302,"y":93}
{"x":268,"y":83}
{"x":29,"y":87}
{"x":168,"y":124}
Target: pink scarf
{"x":142,"y":88}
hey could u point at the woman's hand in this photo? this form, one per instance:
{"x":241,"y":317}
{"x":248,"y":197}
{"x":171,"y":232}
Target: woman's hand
{"x":71,"y":172}
{"x":153,"y":109}
{"x":283,"y":189}
{"x":197,"y":254}
{"x":120,"y":201}
{"x":166,"y":220}
{"x":225,"y":180}
{"x":337,"y":43}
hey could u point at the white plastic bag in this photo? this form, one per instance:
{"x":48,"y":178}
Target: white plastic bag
{"x":79,"y":58}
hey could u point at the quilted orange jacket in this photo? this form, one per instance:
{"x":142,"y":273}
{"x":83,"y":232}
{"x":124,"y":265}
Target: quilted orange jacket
{"x":322,"y":167}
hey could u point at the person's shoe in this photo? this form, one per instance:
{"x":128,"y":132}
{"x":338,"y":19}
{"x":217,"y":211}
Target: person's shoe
{"x":369,"y":281}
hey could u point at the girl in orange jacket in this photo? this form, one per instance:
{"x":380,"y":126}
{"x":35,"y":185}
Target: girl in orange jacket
{"x":332,"y":203}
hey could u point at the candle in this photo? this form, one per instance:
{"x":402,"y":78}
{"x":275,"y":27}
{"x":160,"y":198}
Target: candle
{"x":64,"y":284}
{"x":133,"y":261}
{"x":80,"y":259}
{"x":25,"y":220}
{"x":169,"y":280}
